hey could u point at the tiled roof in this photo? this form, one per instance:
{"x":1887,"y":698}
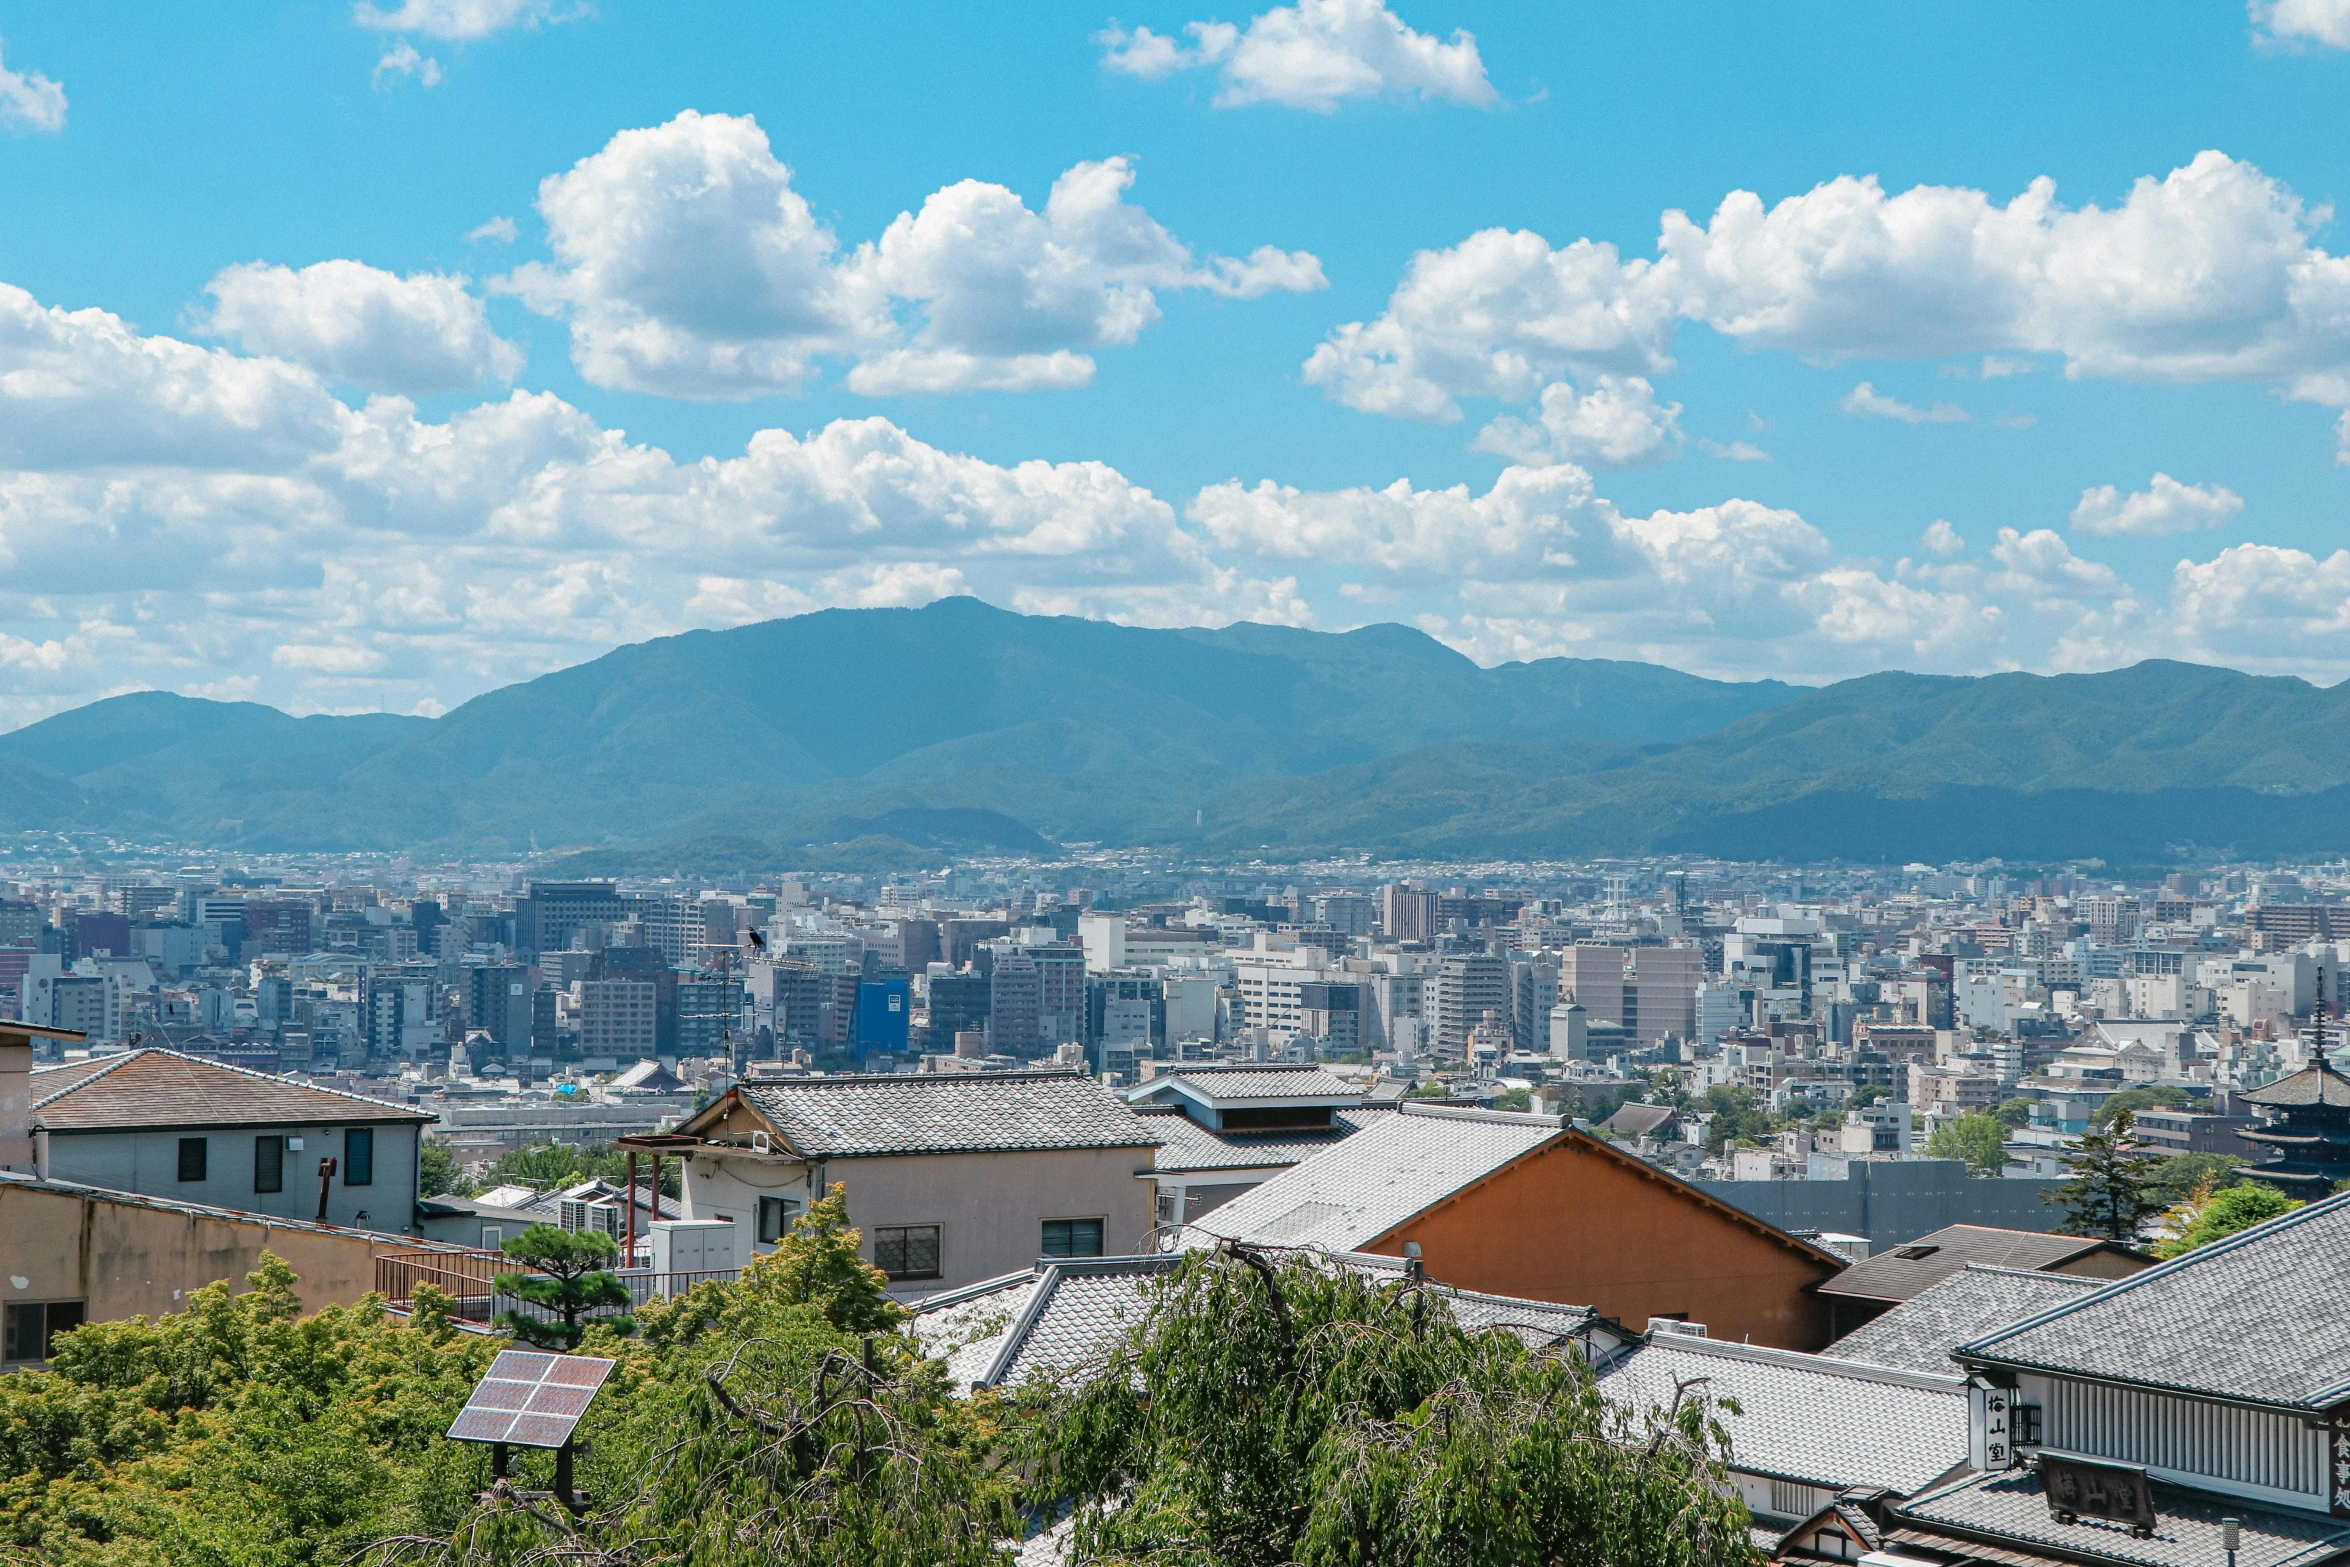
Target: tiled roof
{"x":1061,"y":1315}
{"x":2007,"y":1509}
{"x":1920,"y":1333}
{"x":1808,"y":1418}
{"x":2308,"y":1086}
{"x":2255,"y":1316}
{"x":1891,"y":1276}
{"x":1185,"y":1145}
{"x":162,"y":1089}
{"x":1637,"y":1120}
{"x":1349,"y":1195}
{"x":1254,"y":1083}
{"x":948,"y":1112}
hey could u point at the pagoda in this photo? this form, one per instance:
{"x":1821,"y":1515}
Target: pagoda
{"x":2308,"y":1124}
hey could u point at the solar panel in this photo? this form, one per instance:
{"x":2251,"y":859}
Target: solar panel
{"x":530,"y":1399}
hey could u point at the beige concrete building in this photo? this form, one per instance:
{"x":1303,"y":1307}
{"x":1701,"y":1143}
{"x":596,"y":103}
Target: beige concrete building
{"x":71,"y":1254}
{"x":953,"y":1178}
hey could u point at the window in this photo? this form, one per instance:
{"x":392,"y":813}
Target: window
{"x":1072,"y":1238}
{"x":359,"y":1156}
{"x":269,"y":1164}
{"x":776,"y":1216}
{"x":191,"y":1158}
{"x":907,"y":1252}
{"x":31,"y":1325}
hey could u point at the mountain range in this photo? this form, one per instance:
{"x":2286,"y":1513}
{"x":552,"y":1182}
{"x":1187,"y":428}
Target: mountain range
{"x":900,"y":735}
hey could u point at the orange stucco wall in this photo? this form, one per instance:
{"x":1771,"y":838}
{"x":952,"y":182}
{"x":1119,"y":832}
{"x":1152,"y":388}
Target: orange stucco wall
{"x":1571,"y":1223}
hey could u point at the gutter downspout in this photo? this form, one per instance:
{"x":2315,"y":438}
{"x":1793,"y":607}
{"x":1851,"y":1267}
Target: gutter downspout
{"x":41,"y":1151}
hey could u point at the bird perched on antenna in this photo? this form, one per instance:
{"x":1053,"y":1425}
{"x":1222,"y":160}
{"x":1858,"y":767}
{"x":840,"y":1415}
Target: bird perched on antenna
{"x":757,"y":941}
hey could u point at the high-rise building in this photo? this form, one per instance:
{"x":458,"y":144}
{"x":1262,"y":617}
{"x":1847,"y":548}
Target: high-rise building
{"x":1663,"y":992}
{"x":1014,"y":1001}
{"x":616,"y":1018}
{"x":1348,"y":913}
{"x":280,"y":925}
{"x":1593,"y":977}
{"x":959,"y":1004}
{"x":1407,"y":914}
{"x":497,"y":1001}
{"x":551,"y":913}
{"x":1468,"y":987}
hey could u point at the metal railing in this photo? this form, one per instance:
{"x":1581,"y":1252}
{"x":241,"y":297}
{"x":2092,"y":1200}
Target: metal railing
{"x":469,"y":1280}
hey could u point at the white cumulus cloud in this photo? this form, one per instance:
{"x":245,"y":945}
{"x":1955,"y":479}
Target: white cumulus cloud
{"x":2291,"y":22}
{"x":30,"y":101}
{"x":1618,"y":423}
{"x":402,"y":60}
{"x":356,"y":323}
{"x":1866,"y":402}
{"x":688,"y":264}
{"x":462,"y":21}
{"x":2163,"y":507}
{"x":1497,"y":316}
{"x":1314,"y":55}
{"x":2209,"y":273}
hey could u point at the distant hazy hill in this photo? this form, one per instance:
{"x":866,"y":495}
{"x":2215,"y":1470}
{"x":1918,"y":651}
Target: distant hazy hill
{"x":953,"y":726}
{"x":873,"y":734}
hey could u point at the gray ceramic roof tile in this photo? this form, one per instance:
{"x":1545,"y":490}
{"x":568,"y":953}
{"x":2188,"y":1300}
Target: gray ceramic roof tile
{"x":2008,"y":1508}
{"x":1350,"y":1195}
{"x":2256,"y":1316}
{"x":1063,"y":1314}
{"x":1890,"y":1276}
{"x":949,"y":1112}
{"x":1920,"y":1333}
{"x":1185,"y":1145}
{"x":1228,"y":1085}
{"x":968,"y":1327}
{"x":2309,"y":1086}
{"x":1809,"y":1418}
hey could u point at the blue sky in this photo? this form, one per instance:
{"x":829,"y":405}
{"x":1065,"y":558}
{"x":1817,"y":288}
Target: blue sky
{"x":370,"y":357}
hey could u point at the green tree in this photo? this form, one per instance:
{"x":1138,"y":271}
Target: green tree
{"x":1270,"y":1410}
{"x":545,"y":1166}
{"x":1514,"y":1099}
{"x":1979,"y":1137}
{"x":436,"y":1169}
{"x":572,"y":1276}
{"x":2014,"y":1114}
{"x":1735,"y":1117}
{"x":2107,"y":1194}
{"x":817,"y":1265}
{"x":1428,"y":1090}
{"x":2173,"y":1180}
{"x":2159,"y":1096}
{"x":2215,"y":1215}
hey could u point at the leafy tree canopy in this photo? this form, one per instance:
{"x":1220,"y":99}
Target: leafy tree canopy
{"x":2214,"y":1215}
{"x":1979,"y":1137}
{"x":1273,"y":1409}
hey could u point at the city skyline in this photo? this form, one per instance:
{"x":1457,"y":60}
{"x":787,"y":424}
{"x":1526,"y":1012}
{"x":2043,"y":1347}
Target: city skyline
{"x":370,"y":359}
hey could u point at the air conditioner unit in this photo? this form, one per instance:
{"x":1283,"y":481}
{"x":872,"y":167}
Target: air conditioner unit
{"x":762,"y":1143}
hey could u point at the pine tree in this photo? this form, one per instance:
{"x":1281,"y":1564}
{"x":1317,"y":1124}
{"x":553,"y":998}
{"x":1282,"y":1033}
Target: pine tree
{"x":573,"y":1275}
{"x":2107,"y":1195}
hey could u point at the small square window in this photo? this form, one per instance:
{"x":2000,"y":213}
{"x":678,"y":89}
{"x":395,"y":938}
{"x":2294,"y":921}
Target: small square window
{"x":359,"y":1156}
{"x":269,"y":1164}
{"x":776,"y":1217}
{"x":1072,"y":1238}
{"x":191,"y":1158}
{"x":32,"y":1327}
{"x":907,"y":1252}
